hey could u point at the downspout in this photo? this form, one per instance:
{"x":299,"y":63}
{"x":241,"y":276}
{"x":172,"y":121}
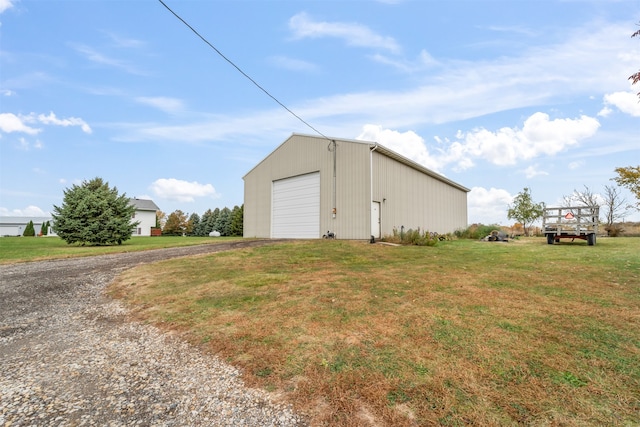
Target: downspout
{"x":334,"y":179}
{"x":375,"y":147}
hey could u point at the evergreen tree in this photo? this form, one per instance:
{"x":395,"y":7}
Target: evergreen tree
{"x":192,"y":224}
{"x":94,"y":214}
{"x":223,"y":222}
{"x":201,"y":230}
{"x":211,"y":224}
{"x":45,"y":228}
{"x":29,"y":230}
{"x":176,"y":224}
{"x":237,"y":218}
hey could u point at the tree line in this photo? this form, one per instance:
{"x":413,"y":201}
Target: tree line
{"x":227,"y":222}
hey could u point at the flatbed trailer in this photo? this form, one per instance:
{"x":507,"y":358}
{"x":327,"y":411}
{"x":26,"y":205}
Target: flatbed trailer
{"x":575,"y":222}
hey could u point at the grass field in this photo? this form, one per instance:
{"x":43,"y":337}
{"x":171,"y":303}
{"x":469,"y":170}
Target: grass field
{"x":463,"y":333}
{"x":20,"y":249}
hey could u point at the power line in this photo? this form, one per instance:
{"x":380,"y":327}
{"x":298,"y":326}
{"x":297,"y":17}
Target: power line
{"x":240,"y":70}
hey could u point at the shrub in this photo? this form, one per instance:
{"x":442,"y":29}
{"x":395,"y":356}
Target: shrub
{"x":29,"y":230}
{"x":44,"y":230}
{"x":412,"y":237}
{"x":476,"y":231}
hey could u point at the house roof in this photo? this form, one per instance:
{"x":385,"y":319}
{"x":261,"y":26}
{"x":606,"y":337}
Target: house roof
{"x":382,"y":150}
{"x":19,"y":220}
{"x":144,"y":204}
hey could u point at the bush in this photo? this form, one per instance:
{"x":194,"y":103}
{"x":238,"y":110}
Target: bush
{"x":412,"y":237}
{"x":29,"y":230}
{"x":476,"y":231}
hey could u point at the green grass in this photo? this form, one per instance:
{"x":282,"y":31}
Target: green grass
{"x":463,"y":333}
{"x":20,"y":249}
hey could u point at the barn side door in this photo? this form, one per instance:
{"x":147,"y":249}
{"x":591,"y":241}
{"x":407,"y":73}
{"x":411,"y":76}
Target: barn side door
{"x":375,"y":219}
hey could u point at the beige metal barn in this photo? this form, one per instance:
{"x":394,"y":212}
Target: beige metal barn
{"x":310,"y":185}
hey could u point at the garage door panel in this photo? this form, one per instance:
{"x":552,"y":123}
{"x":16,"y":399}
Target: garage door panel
{"x":296,"y":207}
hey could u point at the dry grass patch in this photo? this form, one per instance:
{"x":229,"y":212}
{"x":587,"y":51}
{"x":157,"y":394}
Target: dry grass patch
{"x":464,"y":333}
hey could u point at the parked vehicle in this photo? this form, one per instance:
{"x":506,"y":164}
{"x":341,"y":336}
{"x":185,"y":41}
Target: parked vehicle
{"x":576,"y":222}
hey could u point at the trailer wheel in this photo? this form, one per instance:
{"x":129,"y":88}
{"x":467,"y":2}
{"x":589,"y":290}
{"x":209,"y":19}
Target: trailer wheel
{"x":550,"y":239}
{"x":591,"y":239}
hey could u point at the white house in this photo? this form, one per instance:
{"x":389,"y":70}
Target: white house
{"x":146,"y":214}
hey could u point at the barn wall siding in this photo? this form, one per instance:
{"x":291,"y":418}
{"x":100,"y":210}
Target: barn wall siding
{"x":407,"y":196}
{"x":412,"y":199}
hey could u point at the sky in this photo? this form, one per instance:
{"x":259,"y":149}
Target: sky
{"x":495,"y":95}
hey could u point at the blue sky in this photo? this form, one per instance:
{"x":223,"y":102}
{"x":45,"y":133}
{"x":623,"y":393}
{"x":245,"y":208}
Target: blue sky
{"x":495,"y":95}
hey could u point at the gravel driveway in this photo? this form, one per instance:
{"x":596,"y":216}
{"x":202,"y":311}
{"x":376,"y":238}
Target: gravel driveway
{"x":70,"y":357}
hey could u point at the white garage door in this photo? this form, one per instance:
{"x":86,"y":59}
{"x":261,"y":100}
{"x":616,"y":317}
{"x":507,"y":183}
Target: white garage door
{"x":295,"y":211}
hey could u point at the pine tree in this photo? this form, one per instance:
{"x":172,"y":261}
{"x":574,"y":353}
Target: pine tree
{"x":45,"y":228}
{"x":223,"y":222}
{"x":237,"y":217}
{"x":211,"y":224}
{"x":201,"y":230}
{"x":29,"y":230}
{"x":192,"y":224}
{"x":94,"y":214}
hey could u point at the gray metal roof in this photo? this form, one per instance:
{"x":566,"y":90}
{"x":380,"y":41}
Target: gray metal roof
{"x":143,"y":204}
{"x":382,"y":150}
{"x":19,"y":220}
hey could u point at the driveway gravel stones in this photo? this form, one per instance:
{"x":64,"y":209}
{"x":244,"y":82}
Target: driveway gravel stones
{"x":69,"y":356}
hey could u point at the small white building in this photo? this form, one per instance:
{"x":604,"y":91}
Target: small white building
{"x":145,"y":214}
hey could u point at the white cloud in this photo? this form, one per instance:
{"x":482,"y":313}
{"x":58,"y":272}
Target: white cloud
{"x":9,"y":122}
{"x":181,"y":191}
{"x":51,"y":119}
{"x":303,"y":26}
{"x":124,"y":42}
{"x":5,"y":5}
{"x":99,"y":58}
{"x":423,"y":62}
{"x":166,"y":104}
{"x":627,"y":102}
{"x":292,"y":64}
{"x":31,"y":210}
{"x":408,"y":143}
{"x":533,"y":171}
{"x":488,"y":206}
{"x":539,"y":136}
{"x":25,"y":145}
{"x":576,"y":165}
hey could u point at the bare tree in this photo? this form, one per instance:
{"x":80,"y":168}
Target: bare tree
{"x":581,"y":198}
{"x":616,"y":208}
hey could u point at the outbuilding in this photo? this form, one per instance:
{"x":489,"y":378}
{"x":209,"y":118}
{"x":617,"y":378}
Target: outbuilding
{"x":15,"y":225}
{"x":311,"y":186}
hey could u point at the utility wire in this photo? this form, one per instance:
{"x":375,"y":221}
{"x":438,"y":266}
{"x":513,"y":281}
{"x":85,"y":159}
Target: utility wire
{"x":240,"y":70}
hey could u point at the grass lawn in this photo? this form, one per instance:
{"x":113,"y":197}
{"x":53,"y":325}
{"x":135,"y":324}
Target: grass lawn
{"x":19,"y":249}
{"x":463,"y":333}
